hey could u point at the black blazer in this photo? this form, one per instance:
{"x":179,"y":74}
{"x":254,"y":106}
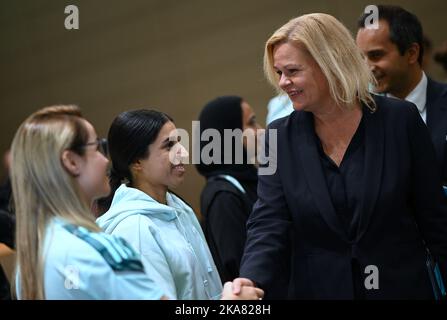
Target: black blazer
{"x":437,"y":121}
{"x":294,"y":224}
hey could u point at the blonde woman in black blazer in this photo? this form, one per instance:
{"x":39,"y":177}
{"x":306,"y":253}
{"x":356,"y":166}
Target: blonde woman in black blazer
{"x":356,"y":198}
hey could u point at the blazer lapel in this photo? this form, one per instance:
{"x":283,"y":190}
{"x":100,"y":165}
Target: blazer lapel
{"x":374,"y":151}
{"x":308,"y":154}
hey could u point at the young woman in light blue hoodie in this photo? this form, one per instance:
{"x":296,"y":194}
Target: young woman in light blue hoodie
{"x":158,"y":224}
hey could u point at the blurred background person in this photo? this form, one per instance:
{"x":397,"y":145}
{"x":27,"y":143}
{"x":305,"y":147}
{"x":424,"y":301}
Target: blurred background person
{"x":7,"y":228}
{"x":5,"y":187}
{"x":394,"y":53}
{"x":278,"y":107}
{"x":230,"y":191}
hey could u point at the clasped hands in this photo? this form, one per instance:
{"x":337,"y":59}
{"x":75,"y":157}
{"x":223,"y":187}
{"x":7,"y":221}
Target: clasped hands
{"x":241,"y":289}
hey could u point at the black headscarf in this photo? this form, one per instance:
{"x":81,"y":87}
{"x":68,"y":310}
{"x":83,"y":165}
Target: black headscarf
{"x":224,"y":113}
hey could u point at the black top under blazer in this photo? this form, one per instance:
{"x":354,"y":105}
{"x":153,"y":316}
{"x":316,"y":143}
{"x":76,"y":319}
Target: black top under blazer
{"x":294,"y":225}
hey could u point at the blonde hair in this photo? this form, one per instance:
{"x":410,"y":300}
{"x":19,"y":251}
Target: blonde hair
{"x":43,"y":189}
{"x":333,"y":48}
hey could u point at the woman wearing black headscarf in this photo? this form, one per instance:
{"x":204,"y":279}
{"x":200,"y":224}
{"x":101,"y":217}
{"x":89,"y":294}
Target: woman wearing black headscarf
{"x":230,"y":191}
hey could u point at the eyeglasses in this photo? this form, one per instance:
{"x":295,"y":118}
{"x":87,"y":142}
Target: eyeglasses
{"x":101,"y":145}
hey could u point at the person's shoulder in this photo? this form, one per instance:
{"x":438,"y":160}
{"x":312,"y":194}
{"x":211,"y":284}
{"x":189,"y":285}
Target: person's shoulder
{"x":390,"y":103}
{"x":174,"y":197}
{"x":435,"y":90}
{"x":217,"y":194}
{"x":217,"y":184}
{"x":397,"y":115}
{"x":439,"y":86}
{"x":227,"y":198}
{"x":132,"y":221}
{"x":98,"y":265}
{"x":394,"y":107}
{"x":88,"y":249}
{"x":62,"y":244}
{"x":225,"y":193}
{"x":139,"y":226}
{"x":284,"y":122}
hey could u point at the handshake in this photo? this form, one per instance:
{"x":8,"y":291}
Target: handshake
{"x":241,"y":289}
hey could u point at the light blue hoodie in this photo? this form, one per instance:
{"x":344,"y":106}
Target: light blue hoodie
{"x":170,"y":240}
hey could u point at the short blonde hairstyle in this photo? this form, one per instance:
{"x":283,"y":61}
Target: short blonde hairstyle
{"x":333,"y":48}
{"x":43,"y":189}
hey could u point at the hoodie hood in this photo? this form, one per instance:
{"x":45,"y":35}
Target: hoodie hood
{"x":129,"y":201}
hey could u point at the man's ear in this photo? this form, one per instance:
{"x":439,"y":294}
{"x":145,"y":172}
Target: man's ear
{"x":71,"y":162}
{"x":413,"y":53}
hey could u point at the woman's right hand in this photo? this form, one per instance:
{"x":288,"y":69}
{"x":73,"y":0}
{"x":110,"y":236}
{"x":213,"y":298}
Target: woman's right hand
{"x":245,"y":292}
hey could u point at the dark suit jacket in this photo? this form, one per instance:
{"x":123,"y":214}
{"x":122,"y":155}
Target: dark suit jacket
{"x":403,"y":205}
{"x":437,"y":121}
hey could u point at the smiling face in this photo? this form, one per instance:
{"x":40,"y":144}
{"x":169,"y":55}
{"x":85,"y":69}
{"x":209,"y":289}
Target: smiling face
{"x":389,"y":67}
{"x":164,"y":167}
{"x":300,"y":77}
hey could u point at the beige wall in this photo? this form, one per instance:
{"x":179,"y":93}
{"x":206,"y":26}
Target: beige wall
{"x":170,"y":55}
